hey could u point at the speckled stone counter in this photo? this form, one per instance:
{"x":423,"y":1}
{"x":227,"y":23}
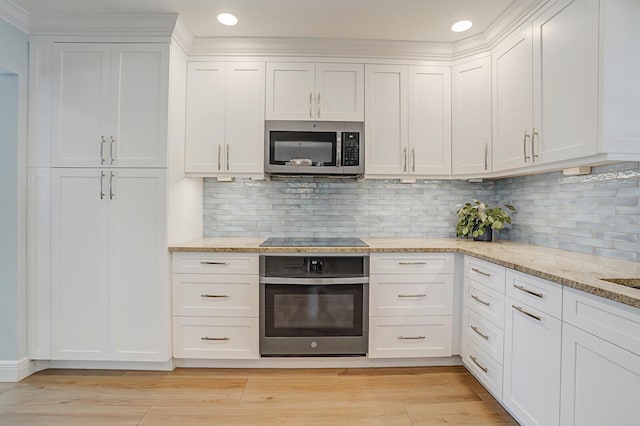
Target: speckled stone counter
{"x":575,"y":270}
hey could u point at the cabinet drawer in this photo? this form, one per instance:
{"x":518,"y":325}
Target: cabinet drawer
{"x":487,"y":370}
{"x":612,"y":321}
{"x":487,"y":303}
{"x":215,"y":338}
{"x":408,"y":295}
{"x":487,"y":273}
{"x":535,"y":292}
{"x":223,"y":263}
{"x":484,"y":334}
{"x":411,"y":263}
{"x":215,"y":295}
{"x":410,"y":337}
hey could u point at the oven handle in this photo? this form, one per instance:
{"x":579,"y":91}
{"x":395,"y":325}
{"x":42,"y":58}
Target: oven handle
{"x":314,"y":281}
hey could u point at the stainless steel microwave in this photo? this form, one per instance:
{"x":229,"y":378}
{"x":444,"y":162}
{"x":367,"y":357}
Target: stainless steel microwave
{"x":314,"y":148}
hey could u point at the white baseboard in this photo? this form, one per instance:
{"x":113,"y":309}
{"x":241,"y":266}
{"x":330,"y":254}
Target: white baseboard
{"x":114,"y":365}
{"x":318,"y":362}
{"x":14,"y":371}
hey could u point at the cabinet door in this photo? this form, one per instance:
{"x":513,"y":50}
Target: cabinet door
{"x":513,"y":102}
{"x":339,"y":92}
{"x":600,"y":381}
{"x":386,"y":120}
{"x":430,"y":120}
{"x":139,"y":97}
{"x":244,"y":123}
{"x":531,"y":388}
{"x":138,"y":266}
{"x":79,"y":264}
{"x":290,"y":91}
{"x":80,"y":123}
{"x":565,"y":52}
{"x":471,"y":88}
{"x":205,"y":117}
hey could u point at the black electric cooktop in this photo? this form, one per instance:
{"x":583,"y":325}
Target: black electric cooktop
{"x":313,"y":242}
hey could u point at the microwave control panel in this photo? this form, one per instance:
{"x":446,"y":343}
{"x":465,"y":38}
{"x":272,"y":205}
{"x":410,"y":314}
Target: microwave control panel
{"x":350,"y":148}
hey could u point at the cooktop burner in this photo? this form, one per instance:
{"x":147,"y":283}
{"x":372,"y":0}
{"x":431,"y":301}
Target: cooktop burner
{"x":314,"y":242}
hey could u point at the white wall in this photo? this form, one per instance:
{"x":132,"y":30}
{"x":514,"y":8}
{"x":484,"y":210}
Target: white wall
{"x":13,"y":192}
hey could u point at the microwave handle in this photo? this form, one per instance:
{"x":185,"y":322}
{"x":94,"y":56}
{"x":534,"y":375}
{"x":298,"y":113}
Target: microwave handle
{"x":338,"y":149}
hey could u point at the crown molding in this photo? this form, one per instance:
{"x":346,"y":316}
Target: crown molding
{"x":320,"y":47}
{"x":81,"y":24}
{"x":182,"y":35}
{"x":15,"y":15}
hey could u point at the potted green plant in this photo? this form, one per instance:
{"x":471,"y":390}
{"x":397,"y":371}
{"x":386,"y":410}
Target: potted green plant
{"x":477,"y":220}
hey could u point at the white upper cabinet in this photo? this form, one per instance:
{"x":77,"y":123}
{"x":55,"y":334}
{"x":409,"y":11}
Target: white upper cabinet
{"x":308,"y":91}
{"x":408,"y":121}
{"x":565,"y":76}
{"x":225,"y":118}
{"x":429,"y":120}
{"x":513,"y":102}
{"x":471,"y":105}
{"x":110,"y":105}
{"x":386,"y":120}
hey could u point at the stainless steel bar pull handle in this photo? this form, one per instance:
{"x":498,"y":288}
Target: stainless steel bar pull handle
{"x":404,"y":156}
{"x":310,"y":104}
{"x":524,"y":147}
{"x":534,"y":133}
{"x":102,"y":142}
{"x":531,"y":292}
{"x":113,"y":141}
{"x":227,"y":157}
{"x":412,"y":263}
{"x":219,"y":154}
{"x":215,"y":296}
{"x":413,"y":159}
{"x":476,"y":298}
{"x":412,"y":295}
{"x":484,"y":336}
{"x":411,"y":337}
{"x":102,"y":175}
{"x":486,"y":274}
{"x":213,"y":263}
{"x":215,"y":338}
{"x":475,"y":361}
{"x":486,"y":156}
{"x":111,"y":194}
{"x":318,"y":105}
{"x":529,"y":314}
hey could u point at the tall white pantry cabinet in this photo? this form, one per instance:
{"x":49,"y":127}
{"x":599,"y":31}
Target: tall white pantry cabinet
{"x":98,"y":187}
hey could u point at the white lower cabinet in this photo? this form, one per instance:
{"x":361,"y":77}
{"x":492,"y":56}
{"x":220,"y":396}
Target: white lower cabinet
{"x":215,"y":306}
{"x":532,"y":349}
{"x":486,"y":369}
{"x":109,"y":292}
{"x":600,"y":362}
{"x":410,"y":305}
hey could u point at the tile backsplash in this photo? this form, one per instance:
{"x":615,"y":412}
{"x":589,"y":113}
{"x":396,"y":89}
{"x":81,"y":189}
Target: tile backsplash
{"x":597,"y":213}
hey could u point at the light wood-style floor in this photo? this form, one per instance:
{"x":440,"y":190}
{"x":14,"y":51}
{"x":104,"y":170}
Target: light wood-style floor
{"x":381,"y":396}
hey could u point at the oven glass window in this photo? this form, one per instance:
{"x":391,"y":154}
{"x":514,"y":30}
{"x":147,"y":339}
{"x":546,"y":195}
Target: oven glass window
{"x":313,"y":310}
{"x":307,"y":148}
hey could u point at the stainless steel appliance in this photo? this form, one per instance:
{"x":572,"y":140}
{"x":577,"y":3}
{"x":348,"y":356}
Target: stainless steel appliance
{"x":314,"y":304}
{"x":314,"y":148}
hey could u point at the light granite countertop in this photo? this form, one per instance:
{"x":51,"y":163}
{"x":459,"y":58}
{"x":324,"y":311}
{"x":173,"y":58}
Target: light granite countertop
{"x":571,"y":269}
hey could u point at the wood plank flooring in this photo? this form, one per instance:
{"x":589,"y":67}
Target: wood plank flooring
{"x":381,"y":396}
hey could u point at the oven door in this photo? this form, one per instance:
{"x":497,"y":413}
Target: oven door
{"x":304,"y":152}
{"x":314,"y":318}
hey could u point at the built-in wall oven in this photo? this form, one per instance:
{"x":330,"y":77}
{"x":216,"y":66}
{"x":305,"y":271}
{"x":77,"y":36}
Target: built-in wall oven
{"x":314,"y":305}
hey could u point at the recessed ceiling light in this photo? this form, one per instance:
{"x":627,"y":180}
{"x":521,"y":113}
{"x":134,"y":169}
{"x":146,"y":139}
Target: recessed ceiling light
{"x":227,"y":19}
{"x":461,"y":26}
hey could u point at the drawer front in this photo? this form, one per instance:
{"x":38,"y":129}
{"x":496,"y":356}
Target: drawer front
{"x":535,"y":292}
{"x":487,"y":303}
{"x":484,"y":334}
{"x":411,"y":295}
{"x":214,"y":263}
{"x":487,"y":370}
{"x":215,"y":295}
{"x":609,"y":320}
{"x":410,"y":337}
{"x":487,"y":273}
{"x":215,"y":338}
{"x":411,"y":263}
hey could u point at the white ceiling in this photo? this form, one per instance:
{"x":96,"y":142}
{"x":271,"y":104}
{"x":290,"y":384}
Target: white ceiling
{"x":409,"y":20}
